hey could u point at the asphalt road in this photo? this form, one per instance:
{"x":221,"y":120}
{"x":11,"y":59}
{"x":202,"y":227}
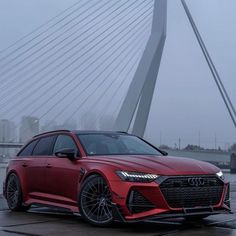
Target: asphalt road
{"x":50,"y":222}
{"x":45,"y":221}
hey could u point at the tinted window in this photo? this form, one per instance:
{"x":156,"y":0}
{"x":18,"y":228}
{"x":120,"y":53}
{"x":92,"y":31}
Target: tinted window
{"x":115,"y":144}
{"x":27,"y":151}
{"x":64,"y":141}
{"x":44,"y":146}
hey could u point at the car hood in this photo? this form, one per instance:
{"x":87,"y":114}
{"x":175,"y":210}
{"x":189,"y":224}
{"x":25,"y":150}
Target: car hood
{"x":162,"y":165}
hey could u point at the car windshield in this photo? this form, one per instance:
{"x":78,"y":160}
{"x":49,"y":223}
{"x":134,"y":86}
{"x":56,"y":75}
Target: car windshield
{"x":115,"y":144}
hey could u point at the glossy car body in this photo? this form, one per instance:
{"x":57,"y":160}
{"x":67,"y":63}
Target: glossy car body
{"x":140,"y":186}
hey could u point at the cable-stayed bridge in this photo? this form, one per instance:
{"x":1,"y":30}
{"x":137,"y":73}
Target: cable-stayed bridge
{"x":79,"y":61}
{"x":99,"y":58}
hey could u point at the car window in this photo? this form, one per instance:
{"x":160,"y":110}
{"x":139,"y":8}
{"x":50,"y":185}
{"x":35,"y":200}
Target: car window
{"x":115,"y":144}
{"x":64,"y":141}
{"x":28,"y":149}
{"x":44,"y":147}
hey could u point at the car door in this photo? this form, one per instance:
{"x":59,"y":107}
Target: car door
{"x":62,"y":176}
{"x":36,"y":167}
{"x":26,"y":160}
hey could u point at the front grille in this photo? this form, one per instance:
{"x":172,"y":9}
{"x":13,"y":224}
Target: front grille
{"x":138,"y":203}
{"x":181,"y":192}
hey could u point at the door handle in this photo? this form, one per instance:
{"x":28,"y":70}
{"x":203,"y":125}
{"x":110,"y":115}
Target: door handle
{"x":48,"y":166}
{"x":24,"y":165}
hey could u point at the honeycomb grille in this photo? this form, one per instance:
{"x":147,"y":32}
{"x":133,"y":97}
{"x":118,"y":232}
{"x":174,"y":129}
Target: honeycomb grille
{"x":179,"y":192}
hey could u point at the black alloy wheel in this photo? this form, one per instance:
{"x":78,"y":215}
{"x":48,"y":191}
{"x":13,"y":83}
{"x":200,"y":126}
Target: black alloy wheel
{"x":14,"y":194}
{"x":95,"y":201}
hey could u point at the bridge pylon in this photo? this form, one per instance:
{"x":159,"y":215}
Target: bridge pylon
{"x":140,"y":93}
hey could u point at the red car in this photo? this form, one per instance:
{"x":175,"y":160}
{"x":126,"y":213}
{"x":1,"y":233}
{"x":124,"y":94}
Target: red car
{"x":112,"y":176}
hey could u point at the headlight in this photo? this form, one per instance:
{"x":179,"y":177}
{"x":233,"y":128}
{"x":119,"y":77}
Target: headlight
{"x":136,"y":176}
{"x":220,"y":174}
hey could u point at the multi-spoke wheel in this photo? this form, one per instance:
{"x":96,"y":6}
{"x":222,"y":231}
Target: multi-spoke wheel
{"x":95,"y":201}
{"x":14,"y":194}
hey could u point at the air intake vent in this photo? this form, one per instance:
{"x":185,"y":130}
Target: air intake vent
{"x":138,"y":203}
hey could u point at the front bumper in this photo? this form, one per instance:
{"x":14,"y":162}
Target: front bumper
{"x":155,"y":205}
{"x":117,"y":215}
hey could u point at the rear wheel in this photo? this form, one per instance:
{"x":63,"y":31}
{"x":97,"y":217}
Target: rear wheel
{"x":95,"y":201}
{"x":14,"y":194}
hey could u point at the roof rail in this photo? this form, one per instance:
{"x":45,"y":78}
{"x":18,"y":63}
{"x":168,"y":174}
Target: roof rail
{"x":122,"y":132}
{"x":53,"y":131}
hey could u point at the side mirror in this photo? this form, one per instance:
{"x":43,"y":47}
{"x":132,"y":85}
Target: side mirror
{"x":66,"y":153}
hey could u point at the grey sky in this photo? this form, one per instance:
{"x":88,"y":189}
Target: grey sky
{"x":186,"y":101}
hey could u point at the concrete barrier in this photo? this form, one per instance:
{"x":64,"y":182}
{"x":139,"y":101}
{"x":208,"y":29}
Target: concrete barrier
{"x":233,"y":163}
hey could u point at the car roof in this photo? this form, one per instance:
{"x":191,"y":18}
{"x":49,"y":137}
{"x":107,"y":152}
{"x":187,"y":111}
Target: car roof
{"x":80,"y":132}
{"x":97,"y":132}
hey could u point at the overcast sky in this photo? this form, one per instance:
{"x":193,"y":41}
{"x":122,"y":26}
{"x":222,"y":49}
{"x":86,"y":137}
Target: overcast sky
{"x":186,"y":101}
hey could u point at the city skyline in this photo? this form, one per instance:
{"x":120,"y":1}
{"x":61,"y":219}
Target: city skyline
{"x":29,"y":128}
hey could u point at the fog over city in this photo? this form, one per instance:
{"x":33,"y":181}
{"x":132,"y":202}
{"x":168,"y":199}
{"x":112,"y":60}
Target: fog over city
{"x":186,"y":106}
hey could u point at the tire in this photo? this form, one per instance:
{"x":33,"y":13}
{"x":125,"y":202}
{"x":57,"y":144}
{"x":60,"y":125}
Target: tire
{"x":14,"y":194}
{"x":95,"y":201}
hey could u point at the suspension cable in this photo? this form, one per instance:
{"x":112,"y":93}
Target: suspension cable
{"x":10,"y":78}
{"x":43,"y":40}
{"x":84,"y":80}
{"x":212,"y":67}
{"x":110,"y":101}
{"x":38,"y":28}
{"x":133,"y":49}
{"x":70,"y":72}
{"x":63,"y":69}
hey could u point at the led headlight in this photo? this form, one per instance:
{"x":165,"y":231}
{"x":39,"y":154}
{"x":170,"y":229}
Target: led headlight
{"x":131,"y":176}
{"x":220,"y":174}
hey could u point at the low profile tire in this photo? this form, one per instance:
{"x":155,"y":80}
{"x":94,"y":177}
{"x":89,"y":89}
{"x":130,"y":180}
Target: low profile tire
{"x":14,"y":194}
{"x":95,"y":201}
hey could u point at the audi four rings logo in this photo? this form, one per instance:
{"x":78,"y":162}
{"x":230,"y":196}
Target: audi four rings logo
{"x":196,"y":182}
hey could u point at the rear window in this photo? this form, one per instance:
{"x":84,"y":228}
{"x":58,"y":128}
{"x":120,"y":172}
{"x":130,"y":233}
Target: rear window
{"x":28,"y":149}
{"x":44,"y":146}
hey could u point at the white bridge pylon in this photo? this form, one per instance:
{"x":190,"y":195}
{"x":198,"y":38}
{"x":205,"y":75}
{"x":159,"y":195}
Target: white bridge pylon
{"x":141,"y":89}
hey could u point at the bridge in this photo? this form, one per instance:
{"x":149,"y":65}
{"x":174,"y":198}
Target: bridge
{"x":66,"y":70}
{"x":11,"y":145}
{"x":94,"y":64}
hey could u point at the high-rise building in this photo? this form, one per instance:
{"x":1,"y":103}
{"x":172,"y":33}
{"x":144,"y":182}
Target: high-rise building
{"x":7,"y":134}
{"x":29,"y":128}
{"x":7,"y":131}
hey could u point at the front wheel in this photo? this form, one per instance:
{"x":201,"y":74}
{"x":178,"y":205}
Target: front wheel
{"x":95,"y":201}
{"x":14,"y":194}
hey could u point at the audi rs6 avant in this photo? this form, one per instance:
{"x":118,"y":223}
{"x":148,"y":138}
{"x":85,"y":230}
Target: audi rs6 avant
{"x":112,"y":176}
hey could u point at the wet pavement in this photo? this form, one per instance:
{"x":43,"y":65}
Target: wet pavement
{"x":45,"y":221}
